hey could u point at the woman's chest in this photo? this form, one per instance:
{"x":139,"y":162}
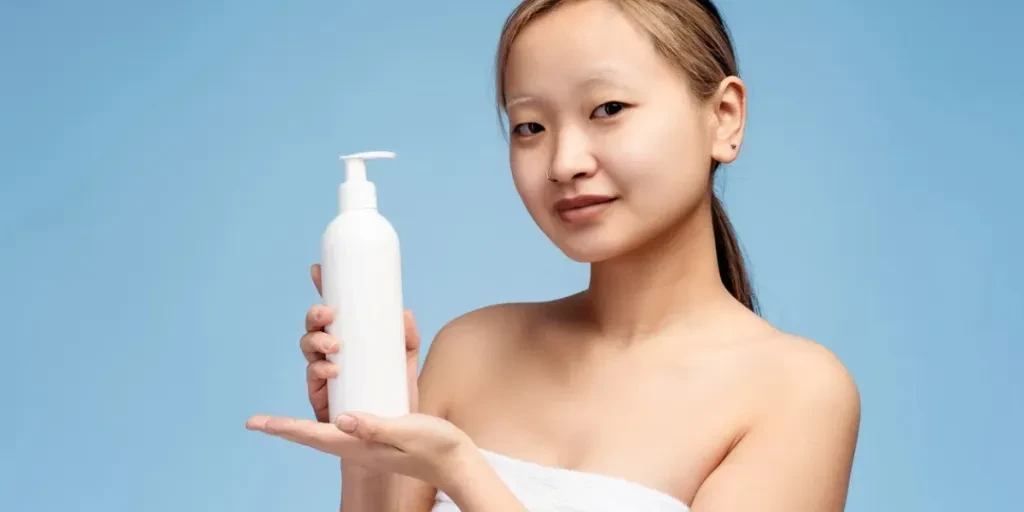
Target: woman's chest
{"x":661,"y":427}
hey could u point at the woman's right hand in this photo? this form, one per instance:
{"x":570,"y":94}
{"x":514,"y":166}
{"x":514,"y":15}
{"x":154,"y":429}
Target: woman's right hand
{"x":316,"y":344}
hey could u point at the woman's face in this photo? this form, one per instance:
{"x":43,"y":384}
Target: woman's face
{"x":608,"y":146}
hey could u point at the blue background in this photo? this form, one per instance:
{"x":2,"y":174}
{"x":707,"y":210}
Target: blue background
{"x":168,"y":168}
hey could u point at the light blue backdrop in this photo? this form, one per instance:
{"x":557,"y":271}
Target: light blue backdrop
{"x":168,"y":167}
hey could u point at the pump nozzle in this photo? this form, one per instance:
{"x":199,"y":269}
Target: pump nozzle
{"x":358,"y":192}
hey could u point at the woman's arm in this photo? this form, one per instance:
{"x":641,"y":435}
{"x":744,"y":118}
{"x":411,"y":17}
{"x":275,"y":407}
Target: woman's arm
{"x":462,"y":472}
{"x":480,"y":489}
{"x":364,"y":490}
{"x":797,"y":455}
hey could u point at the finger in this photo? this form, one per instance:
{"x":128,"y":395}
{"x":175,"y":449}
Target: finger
{"x":316,"y":272}
{"x":320,"y":436}
{"x":375,"y":429}
{"x":317,"y":344}
{"x":318,"y":400}
{"x":317,"y":374}
{"x":412,"y":334}
{"x":328,"y":439}
{"x":318,"y":317}
{"x":319,"y":371}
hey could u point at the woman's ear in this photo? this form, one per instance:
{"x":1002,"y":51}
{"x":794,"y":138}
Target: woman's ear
{"x":729,"y":116}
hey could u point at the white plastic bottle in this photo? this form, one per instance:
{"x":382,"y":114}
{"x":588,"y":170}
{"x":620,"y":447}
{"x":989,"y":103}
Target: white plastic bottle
{"x":362,"y":283}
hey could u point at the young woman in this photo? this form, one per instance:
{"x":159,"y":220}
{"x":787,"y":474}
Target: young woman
{"x":658,"y":388}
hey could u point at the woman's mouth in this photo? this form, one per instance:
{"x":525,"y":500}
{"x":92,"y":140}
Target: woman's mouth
{"x":582,"y":208}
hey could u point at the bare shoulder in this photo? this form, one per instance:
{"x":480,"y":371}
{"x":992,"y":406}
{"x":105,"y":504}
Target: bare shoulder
{"x":481,"y":331}
{"x":467,"y":348}
{"x":494,"y":319}
{"x":806,"y":374}
{"x":797,"y":451}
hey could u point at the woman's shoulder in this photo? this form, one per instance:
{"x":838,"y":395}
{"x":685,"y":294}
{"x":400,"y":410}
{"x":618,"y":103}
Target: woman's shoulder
{"x":800,"y":421}
{"x":793,"y":378}
{"x":486,"y":329}
{"x":801,"y":369}
{"x":472,"y":346}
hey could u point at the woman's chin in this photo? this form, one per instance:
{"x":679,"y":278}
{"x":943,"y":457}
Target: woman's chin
{"x":590,"y":249}
{"x":593,"y":242}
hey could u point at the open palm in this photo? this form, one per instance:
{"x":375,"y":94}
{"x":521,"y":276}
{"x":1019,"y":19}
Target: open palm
{"x":418,"y":445}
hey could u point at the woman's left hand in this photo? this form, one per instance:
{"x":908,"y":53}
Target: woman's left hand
{"x":424,"y":447}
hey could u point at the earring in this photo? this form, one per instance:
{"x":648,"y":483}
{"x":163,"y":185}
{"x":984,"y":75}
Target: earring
{"x":732,"y":146}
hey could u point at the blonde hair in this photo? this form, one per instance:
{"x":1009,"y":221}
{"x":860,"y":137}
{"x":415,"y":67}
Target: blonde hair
{"x":691,"y":35}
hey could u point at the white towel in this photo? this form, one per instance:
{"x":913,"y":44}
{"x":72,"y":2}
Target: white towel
{"x":550,"y":489}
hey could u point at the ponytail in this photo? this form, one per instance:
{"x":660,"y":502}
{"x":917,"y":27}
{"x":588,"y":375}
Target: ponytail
{"x":730,"y":259}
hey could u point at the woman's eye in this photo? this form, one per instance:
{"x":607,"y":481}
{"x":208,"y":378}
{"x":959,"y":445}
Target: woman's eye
{"x":527,"y":129}
{"x":609,"y":109}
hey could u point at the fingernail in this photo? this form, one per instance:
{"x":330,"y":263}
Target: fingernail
{"x":347,"y":423}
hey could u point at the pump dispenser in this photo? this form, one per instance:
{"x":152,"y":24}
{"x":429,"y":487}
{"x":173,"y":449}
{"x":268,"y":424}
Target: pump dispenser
{"x":361,"y":279}
{"x":357,"y":191}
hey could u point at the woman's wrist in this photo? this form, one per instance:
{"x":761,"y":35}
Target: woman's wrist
{"x":363,"y":489}
{"x":360,"y":473}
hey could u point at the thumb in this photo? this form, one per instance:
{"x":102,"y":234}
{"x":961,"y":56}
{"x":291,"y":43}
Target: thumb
{"x":372,"y":428}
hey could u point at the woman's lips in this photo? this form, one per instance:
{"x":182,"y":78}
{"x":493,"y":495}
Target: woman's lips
{"x":582,"y":208}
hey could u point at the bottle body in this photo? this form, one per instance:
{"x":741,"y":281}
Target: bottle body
{"x":362,"y":282}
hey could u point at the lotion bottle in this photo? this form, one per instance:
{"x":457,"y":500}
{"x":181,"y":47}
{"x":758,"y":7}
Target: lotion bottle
{"x":361,"y":278}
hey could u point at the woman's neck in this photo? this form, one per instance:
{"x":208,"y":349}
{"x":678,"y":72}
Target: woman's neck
{"x":671,"y":280}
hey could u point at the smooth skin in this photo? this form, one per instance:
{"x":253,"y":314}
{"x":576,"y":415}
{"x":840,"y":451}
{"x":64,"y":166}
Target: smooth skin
{"x":654,"y":373}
